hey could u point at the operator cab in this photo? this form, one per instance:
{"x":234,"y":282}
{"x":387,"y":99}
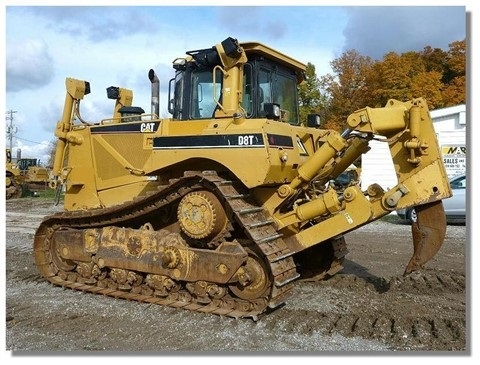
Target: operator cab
{"x":266,"y":84}
{"x":269,"y":82}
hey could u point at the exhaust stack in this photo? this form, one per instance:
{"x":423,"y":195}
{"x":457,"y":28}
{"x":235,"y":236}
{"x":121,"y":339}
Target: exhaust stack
{"x":155,"y":92}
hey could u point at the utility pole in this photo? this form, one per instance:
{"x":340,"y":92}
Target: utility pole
{"x":11,"y":129}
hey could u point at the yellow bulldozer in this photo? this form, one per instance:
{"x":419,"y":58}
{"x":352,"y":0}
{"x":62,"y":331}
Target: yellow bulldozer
{"x":25,"y":177}
{"x":222,"y":207}
{"x":35,"y":176}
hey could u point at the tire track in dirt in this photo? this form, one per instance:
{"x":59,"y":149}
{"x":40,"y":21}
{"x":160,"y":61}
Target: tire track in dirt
{"x":378,"y":309}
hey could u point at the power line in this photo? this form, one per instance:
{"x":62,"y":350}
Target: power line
{"x":27,"y":140}
{"x":11,"y":129}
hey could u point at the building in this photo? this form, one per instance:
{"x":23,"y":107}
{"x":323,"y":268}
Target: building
{"x":449,"y":124}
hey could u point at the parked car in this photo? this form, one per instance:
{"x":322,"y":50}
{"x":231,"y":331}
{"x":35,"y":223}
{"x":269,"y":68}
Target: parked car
{"x":455,"y":207}
{"x":350,"y":176}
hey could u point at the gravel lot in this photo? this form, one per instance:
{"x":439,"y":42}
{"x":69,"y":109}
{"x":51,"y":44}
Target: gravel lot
{"x":369,"y":308}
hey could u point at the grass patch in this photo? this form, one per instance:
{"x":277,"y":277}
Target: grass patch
{"x":49,"y":193}
{"x":42,"y":194}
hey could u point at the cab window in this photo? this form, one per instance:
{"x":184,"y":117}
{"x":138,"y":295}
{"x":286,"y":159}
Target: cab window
{"x":204,"y":93}
{"x":273,"y":84}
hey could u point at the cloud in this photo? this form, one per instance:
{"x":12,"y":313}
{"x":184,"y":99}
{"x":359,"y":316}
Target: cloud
{"x":375,"y":31}
{"x":39,"y":151}
{"x":50,"y":114}
{"x":252,"y":21}
{"x":97,"y":23}
{"x":29,"y":65}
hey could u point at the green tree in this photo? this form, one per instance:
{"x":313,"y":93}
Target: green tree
{"x":310,"y":98}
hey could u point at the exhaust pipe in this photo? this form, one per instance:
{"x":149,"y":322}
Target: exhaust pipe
{"x":155,"y":92}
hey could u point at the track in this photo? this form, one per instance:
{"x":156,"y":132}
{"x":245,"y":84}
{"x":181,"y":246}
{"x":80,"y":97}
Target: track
{"x":368,"y":304}
{"x":250,"y":220}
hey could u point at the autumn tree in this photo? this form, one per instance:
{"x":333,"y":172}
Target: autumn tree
{"x":347,"y":89}
{"x":434,"y":59}
{"x":455,"y":61}
{"x":390,"y":79}
{"x":454,"y":76}
{"x":357,"y":81}
{"x":428,"y":84}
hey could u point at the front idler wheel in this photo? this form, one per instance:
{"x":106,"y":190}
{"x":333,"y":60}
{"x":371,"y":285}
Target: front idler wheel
{"x":253,"y":278}
{"x":58,"y":260}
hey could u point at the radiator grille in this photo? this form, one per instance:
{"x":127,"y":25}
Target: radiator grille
{"x":126,"y":146}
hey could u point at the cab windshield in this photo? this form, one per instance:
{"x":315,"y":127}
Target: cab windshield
{"x":195,"y":94}
{"x":204,"y":93}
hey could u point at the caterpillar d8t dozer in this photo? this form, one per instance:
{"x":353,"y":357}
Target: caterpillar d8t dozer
{"x":222,"y":207}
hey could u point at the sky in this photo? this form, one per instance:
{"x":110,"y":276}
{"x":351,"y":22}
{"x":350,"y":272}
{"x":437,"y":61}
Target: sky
{"x":117,"y":46}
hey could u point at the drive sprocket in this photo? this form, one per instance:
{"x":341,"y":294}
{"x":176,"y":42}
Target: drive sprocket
{"x":201,"y":215}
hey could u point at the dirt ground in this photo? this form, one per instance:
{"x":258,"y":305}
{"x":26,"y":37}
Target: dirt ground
{"x":367,"y":307}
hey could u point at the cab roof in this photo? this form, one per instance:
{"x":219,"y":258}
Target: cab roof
{"x":259,"y":48}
